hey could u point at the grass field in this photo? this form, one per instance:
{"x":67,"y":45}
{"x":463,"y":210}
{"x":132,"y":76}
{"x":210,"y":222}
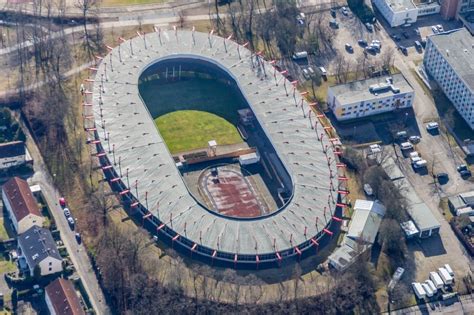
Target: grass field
{"x":190,"y":129}
{"x":3,"y":230}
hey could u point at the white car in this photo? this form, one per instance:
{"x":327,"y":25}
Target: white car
{"x":434,"y":29}
{"x":323,"y":71}
{"x":71,"y":221}
{"x":67,"y":213}
{"x":440,"y":28}
{"x":432,"y":125}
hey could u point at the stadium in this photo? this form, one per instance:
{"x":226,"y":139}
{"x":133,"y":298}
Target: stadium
{"x":212,"y":150}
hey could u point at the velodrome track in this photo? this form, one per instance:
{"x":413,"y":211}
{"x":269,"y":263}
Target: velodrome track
{"x":139,"y":167}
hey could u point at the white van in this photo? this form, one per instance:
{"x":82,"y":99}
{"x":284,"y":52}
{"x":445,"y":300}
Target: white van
{"x":445,"y":276}
{"x":406,"y":146}
{"x":323,"y":71}
{"x":436,"y":279}
{"x":300,"y":55}
{"x":415,"y":159}
{"x":432,"y":126}
{"x":418,"y":289}
{"x":432,"y":286}
{"x":414,"y":154}
{"x":429,"y":292}
{"x":449,"y":270}
{"x":420,"y":164}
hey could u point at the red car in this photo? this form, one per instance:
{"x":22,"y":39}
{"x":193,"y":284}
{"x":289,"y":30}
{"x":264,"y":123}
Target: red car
{"x":62,"y":202}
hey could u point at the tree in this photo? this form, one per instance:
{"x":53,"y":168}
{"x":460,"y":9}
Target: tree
{"x":391,"y":238}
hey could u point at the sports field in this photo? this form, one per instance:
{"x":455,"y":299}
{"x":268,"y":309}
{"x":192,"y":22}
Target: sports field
{"x":186,"y":130}
{"x":189,"y":113}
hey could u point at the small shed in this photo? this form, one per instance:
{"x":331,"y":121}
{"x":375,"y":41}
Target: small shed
{"x":250,"y":158}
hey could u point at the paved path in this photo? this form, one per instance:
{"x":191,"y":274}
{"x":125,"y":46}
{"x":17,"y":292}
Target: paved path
{"x":77,"y":252}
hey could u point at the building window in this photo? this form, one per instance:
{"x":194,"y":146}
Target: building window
{"x":50,"y":268}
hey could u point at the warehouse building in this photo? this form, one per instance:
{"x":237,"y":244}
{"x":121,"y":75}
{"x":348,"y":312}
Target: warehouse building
{"x":370,"y":97}
{"x":449,"y":59}
{"x":362,"y":232}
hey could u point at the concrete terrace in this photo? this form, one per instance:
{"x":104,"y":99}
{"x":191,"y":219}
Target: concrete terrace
{"x":119,"y":113}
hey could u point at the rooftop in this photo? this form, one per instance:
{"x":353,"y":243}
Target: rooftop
{"x":418,"y":210}
{"x":366,"y":220}
{"x":20,"y":197}
{"x":12,"y":149}
{"x":64,"y":298}
{"x":457,"y":47}
{"x":36,"y":244}
{"x":400,"y":5}
{"x":141,"y":148}
{"x":468,"y":198}
{"x":369,"y":89}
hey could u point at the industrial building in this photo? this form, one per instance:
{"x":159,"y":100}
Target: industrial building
{"x":362,"y":232}
{"x":449,"y":60}
{"x":370,"y":97}
{"x":403,"y":12}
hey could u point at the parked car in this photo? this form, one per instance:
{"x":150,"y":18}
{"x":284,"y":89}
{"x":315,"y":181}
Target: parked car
{"x":62,"y":202}
{"x":362,"y":43}
{"x":434,"y":29}
{"x":465,"y":173}
{"x":401,"y":135}
{"x":349,"y":47}
{"x":310,"y":70}
{"x":306,"y":73}
{"x":432,"y":126}
{"x":461,"y":167}
{"x":323,"y":71}
{"x":440,"y":28}
{"x":395,"y":37}
{"x":369,"y":27}
{"x":333,"y":13}
{"x":403,"y":49}
{"x":418,"y":46}
{"x":333,"y":23}
{"x":67,"y":213}
{"x":370,"y":49}
{"x":414,"y":139}
{"x":442,"y":178}
{"x":78,"y":238}
{"x":71,"y":221}
{"x":300,"y":55}
{"x":345,"y":11}
{"x":406,"y":146}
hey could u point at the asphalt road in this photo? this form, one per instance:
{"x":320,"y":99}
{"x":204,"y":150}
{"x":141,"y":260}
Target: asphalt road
{"x":77,"y":252}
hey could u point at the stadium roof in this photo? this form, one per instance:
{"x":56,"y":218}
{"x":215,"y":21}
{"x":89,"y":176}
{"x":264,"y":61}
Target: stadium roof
{"x":142,"y":151}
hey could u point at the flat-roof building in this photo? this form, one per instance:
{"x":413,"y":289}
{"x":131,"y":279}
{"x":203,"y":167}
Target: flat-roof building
{"x":362,"y":232}
{"x":12,"y":154}
{"x":400,"y":12}
{"x":370,"y":97}
{"x":449,"y":59}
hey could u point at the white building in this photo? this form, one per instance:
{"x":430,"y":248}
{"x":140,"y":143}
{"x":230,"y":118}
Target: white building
{"x":37,"y":249}
{"x":400,"y":12}
{"x":12,"y":154}
{"x":361,"y":234}
{"x":370,"y":97}
{"x":21,"y":206}
{"x":397,"y":12}
{"x":449,"y":59}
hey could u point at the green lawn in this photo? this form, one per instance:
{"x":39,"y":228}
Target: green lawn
{"x":3,"y":231}
{"x":7,"y":266}
{"x":190,"y":129}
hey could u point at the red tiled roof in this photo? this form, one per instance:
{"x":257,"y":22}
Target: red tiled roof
{"x":20,"y":197}
{"x":63,"y":297}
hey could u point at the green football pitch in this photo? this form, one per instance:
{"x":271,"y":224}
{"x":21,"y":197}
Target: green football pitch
{"x":186,"y":130}
{"x":189,"y":113}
